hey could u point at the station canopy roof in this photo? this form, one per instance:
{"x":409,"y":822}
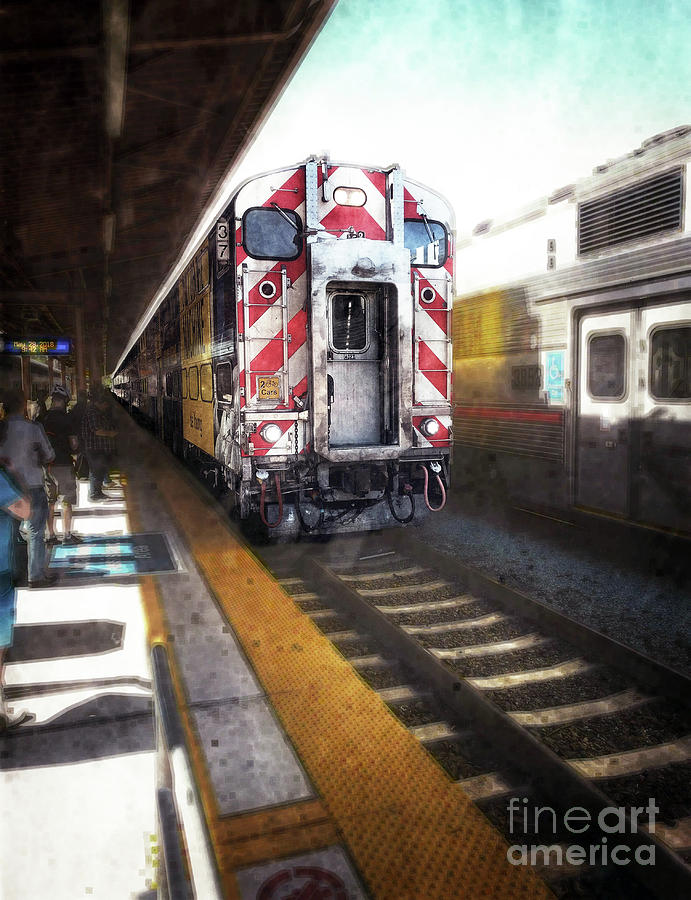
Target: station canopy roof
{"x":119,"y":121}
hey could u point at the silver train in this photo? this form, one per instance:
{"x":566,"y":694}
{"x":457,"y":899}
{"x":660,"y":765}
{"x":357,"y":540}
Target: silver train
{"x":572,"y":345}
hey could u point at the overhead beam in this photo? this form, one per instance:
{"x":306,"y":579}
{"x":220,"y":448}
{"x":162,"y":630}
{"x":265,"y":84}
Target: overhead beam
{"x":47,"y":298}
{"x":116,"y":26}
{"x":87,"y":51}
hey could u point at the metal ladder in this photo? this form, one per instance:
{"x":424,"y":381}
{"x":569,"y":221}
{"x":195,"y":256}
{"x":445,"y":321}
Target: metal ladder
{"x":270,"y":303}
{"x":443,"y":286}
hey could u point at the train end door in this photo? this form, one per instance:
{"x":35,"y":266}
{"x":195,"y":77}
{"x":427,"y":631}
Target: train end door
{"x":664,"y":456}
{"x":603,"y":431}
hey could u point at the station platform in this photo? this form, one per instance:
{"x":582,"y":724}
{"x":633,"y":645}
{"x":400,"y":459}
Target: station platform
{"x":308,"y":786}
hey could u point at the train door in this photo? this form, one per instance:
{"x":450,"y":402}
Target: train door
{"x":354,"y":369}
{"x":664,"y":463}
{"x":603,"y":430}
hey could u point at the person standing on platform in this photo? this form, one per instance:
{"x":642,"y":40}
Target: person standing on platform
{"x":40,"y":408}
{"x":76,"y":414}
{"x":24,"y":451}
{"x":58,"y":427}
{"x":12,"y":504}
{"x":98,"y":438}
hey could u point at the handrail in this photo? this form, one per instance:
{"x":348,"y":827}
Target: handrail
{"x":183,"y":806}
{"x":173,"y":855}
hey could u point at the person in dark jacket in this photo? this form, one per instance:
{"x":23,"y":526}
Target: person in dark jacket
{"x":98,"y":435}
{"x":58,"y":427}
{"x":24,"y":451}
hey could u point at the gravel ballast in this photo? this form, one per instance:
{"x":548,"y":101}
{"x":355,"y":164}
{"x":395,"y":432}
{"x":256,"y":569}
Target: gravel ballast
{"x":626,"y":595}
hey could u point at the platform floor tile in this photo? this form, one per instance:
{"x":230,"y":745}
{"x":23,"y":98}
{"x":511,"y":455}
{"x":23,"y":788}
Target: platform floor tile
{"x":250,"y":761}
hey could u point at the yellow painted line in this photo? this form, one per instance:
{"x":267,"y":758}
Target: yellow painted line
{"x":402,"y":694}
{"x":430,"y":606}
{"x":496,"y":648}
{"x":459,"y":625}
{"x":423,"y":587}
{"x":375,"y":661}
{"x":532,"y":676}
{"x":632,"y":761}
{"x":482,"y":787}
{"x":434,"y":731}
{"x":411,"y":832}
{"x":576,"y":712}
{"x":379,"y":576}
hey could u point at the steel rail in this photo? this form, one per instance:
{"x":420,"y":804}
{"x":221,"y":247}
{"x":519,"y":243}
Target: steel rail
{"x":670,"y":875}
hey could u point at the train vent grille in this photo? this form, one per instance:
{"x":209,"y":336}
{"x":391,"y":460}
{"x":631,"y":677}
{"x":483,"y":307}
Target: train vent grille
{"x":650,"y":207}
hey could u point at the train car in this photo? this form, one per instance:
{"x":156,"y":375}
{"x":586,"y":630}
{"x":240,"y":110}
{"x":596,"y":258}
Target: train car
{"x":303,"y":358}
{"x":572,"y":345}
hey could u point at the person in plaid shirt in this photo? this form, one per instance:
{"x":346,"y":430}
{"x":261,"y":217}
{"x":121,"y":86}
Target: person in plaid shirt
{"x":98,"y":441}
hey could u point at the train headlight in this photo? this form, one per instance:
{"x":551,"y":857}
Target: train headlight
{"x":429,"y":427}
{"x":271,"y":433}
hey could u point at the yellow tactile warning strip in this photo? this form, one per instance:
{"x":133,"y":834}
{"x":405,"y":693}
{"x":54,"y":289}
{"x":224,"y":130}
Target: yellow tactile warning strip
{"x":412,"y":832}
{"x":251,"y":837}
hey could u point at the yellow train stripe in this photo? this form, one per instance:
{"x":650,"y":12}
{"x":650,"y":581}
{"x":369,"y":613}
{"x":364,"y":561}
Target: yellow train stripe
{"x":411,"y":832}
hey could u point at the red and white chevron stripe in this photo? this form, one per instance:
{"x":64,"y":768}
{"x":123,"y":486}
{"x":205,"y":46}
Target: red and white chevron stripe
{"x":441,"y":439}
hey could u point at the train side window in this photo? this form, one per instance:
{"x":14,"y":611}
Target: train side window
{"x":191,"y":282}
{"x":194,"y":383}
{"x":348,"y":322}
{"x":207,"y":382}
{"x":185,"y":380}
{"x":426,"y":241}
{"x":607,"y":366}
{"x":272,"y":233}
{"x":203,"y":269}
{"x":670,"y":363}
{"x":224,"y":382}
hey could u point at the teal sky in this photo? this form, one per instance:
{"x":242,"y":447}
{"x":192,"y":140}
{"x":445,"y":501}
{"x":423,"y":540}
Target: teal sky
{"x":494,"y":103}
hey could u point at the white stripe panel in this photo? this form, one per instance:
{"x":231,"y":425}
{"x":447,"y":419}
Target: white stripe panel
{"x":345,"y":176}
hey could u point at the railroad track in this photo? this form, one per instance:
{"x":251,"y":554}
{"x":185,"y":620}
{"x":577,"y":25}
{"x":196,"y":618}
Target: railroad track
{"x":517,"y":701}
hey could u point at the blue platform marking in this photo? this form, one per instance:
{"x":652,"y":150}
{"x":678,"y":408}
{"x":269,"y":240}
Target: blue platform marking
{"x":133,"y":554}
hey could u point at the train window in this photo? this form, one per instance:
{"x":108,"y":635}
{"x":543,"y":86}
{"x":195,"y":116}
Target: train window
{"x":427,"y":242}
{"x":607,"y":366}
{"x":169,"y":384}
{"x":272,"y":233}
{"x":207,"y":383}
{"x":194,"y":383}
{"x":348,"y":322}
{"x":184,"y":382}
{"x":191,"y":282}
{"x":203,"y":269}
{"x":224,"y":382}
{"x":670,"y":363}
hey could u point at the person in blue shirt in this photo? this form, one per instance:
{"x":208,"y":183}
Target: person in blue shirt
{"x":24,"y":451}
{"x":12,"y":503}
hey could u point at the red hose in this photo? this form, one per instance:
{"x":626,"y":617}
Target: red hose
{"x":280,"y":503}
{"x":441,"y":488}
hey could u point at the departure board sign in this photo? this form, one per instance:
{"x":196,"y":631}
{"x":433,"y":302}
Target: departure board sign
{"x":51,"y":346}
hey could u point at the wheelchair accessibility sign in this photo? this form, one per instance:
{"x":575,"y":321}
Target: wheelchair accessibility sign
{"x":554,"y":376}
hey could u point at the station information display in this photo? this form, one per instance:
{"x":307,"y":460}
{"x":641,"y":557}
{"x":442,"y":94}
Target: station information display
{"x":51,"y":346}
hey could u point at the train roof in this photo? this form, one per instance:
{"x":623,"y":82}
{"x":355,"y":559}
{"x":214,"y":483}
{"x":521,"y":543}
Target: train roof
{"x":664,"y":149}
